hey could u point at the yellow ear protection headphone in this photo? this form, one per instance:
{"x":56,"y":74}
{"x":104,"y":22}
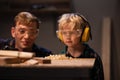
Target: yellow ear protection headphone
{"x":59,"y":35}
{"x":86,"y":33}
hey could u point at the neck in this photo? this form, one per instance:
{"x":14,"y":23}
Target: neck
{"x":25,"y":49}
{"x":76,"y":51}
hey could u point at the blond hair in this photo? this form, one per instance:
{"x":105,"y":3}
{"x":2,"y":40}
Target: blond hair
{"x":70,"y":20}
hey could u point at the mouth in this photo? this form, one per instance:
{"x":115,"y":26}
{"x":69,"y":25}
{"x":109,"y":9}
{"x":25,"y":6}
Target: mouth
{"x":68,"y":41}
{"x":26,"y":43}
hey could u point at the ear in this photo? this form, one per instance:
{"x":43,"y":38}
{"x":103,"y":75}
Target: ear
{"x":13,"y":32}
{"x":59,"y":35}
{"x":37,"y":32}
{"x":86,"y":34}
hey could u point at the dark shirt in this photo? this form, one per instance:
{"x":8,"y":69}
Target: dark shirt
{"x":9,"y":44}
{"x":96,"y":72}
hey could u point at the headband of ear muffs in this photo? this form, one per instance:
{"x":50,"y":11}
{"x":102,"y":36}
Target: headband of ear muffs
{"x":86,"y":33}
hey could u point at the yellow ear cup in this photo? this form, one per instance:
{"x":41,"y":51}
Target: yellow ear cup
{"x":59,"y":35}
{"x":86,"y":34}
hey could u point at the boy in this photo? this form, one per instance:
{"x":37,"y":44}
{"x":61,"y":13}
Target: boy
{"x":74,"y":31}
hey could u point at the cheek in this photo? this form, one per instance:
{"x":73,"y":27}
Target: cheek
{"x":75,"y":39}
{"x":32,"y":39}
{"x":17,"y":36}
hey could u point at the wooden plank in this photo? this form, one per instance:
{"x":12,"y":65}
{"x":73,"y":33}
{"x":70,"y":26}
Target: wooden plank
{"x":106,"y":45}
{"x":20,"y":54}
{"x":11,"y":60}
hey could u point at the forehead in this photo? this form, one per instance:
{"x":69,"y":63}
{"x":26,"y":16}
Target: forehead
{"x":32,"y":25}
{"x":68,"y":26}
{"x":25,"y":27}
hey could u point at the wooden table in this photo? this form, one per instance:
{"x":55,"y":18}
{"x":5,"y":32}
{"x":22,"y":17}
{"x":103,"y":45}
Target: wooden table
{"x":56,"y":70}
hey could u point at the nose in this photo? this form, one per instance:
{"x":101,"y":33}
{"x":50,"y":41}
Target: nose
{"x":68,"y":35}
{"x":26,"y":35}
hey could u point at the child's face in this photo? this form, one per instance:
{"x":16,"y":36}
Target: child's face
{"x":71,"y":37}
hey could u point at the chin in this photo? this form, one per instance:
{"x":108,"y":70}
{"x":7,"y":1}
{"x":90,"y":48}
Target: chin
{"x":69,"y":45}
{"x":25,"y":47}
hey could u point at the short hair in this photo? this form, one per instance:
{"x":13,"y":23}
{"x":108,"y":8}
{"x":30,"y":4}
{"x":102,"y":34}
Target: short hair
{"x":26,"y":18}
{"x":73,"y":19}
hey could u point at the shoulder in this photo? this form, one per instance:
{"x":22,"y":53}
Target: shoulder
{"x":4,"y":42}
{"x":90,"y":52}
{"x":40,"y":51}
{"x":64,"y":51}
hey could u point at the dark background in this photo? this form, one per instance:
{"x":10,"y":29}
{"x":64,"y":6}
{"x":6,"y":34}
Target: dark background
{"x":94,"y":10}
